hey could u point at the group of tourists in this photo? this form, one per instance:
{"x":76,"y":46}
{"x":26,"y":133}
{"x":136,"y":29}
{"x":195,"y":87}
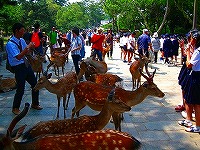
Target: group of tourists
{"x":145,"y":44}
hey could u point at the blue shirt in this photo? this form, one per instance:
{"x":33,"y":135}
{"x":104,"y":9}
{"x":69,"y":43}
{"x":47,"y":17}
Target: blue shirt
{"x":74,"y":44}
{"x":13,"y":50}
{"x":143,"y":41}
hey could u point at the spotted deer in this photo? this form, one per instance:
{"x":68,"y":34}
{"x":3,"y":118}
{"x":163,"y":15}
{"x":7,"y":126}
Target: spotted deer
{"x":58,"y":59}
{"x":134,"y":70}
{"x":61,"y":88}
{"x":99,"y":139}
{"x":36,"y":63}
{"x":94,"y":95}
{"x":7,"y":84}
{"x":90,"y":66}
{"x":81,"y":124}
{"x":106,"y":49}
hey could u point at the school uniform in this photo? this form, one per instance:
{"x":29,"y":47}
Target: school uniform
{"x":192,"y":86}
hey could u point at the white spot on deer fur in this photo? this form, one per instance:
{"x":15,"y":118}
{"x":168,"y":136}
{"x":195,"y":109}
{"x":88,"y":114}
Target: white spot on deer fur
{"x":88,"y":135}
{"x":116,"y":148}
{"x":123,"y":148}
{"x":114,"y":142}
{"x":120,"y":141}
{"x":108,"y":135}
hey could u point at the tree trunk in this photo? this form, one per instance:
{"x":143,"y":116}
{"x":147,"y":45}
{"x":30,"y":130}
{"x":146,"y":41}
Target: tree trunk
{"x":165,"y":17}
{"x":195,"y":15}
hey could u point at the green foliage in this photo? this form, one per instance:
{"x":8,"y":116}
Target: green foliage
{"x":124,"y":14}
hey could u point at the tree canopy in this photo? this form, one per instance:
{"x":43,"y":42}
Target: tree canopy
{"x":165,"y":16}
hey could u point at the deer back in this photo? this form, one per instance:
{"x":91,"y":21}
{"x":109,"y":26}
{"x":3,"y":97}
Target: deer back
{"x":99,"y":139}
{"x":106,"y":79}
{"x":7,"y":84}
{"x":62,"y":87}
{"x":80,"y":124}
{"x":92,"y":94}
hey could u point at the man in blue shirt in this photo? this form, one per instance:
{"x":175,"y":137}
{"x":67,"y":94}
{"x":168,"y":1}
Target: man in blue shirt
{"x":17,"y":49}
{"x":144,"y":42}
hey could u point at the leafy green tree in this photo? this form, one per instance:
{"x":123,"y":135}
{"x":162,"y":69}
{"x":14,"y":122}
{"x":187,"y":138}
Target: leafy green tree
{"x":9,"y":15}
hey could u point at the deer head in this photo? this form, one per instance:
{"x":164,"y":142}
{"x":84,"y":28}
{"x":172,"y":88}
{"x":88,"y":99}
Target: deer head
{"x":41,"y":82}
{"x":153,"y":90}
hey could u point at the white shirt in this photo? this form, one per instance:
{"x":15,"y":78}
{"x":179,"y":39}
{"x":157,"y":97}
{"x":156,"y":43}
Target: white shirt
{"x":130,"y":40}
{"x":195,"y":60}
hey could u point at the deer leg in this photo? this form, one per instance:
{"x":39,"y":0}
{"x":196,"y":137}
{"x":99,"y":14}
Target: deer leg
{"x":77,"y":109}
{"x":68,"y":100}
{"x":64,"y":106}
{"x":117,"y":121}
{"x":63,"y":71}
{"x":58,"y":98}
{"x":133,"y":81}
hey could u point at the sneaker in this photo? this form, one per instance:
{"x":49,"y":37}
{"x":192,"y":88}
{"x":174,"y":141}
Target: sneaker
{"x":184,"y":115}
{"x":37,"y":107}
{"x":193,"y":129}
{"x":185,"y":123}
{"x":179,"y":108}
{"x":125,"y":61}
{"x":16,"y":111}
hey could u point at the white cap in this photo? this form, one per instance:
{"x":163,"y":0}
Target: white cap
{"x":145,"y":30}
{"x":155,"y":34}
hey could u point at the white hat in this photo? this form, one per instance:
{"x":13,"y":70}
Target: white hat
{"x":155,"y":34}
{"x":145,"y":30}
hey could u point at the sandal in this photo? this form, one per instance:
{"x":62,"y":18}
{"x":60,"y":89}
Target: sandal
{"x":179,"y":108}
{"x":193,"y":129}
{"x":185,"y":123}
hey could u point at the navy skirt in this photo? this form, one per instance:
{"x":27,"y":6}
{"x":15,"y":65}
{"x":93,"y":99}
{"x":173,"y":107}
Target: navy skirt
{"x":192,"y":88}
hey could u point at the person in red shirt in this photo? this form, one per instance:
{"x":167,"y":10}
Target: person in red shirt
{"x":97,"y":43}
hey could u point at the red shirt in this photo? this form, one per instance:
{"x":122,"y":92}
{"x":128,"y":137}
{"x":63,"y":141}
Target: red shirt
{"x":97,"y":41}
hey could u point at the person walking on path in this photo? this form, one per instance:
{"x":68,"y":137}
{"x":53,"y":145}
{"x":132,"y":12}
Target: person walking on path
{"x":17,"y":49}
{"x":155,"y":46}
{"x":167,"y":49}
{"x":192,"y":86}
{"x":37,"y":38}
{"x":109,"y":40}
{"x":97,"y":43}
{"x":76,"y":44}
{"x":175,"y":48}
{"x":53,"y":36}
{"x":131,"y":46}
{"x":144,"y":43}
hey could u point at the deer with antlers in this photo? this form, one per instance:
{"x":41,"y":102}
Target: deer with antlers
{"x":96,"y":98}
{"x":81,"y":124}
{"x":134,"y":70}
{"x":93,"y":140}
{"x":61,"y":88}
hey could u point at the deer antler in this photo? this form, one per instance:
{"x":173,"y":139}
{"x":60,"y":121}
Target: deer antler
{"x":150,"y":78}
